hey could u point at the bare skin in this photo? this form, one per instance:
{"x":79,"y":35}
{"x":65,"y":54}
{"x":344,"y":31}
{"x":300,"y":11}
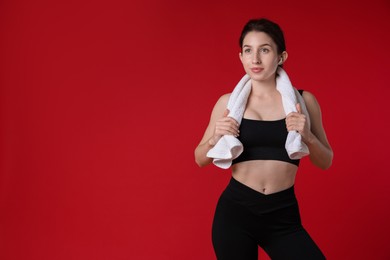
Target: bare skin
{"x":260,"y":61}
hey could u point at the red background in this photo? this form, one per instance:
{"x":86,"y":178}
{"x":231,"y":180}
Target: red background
{"x":102,"y":105}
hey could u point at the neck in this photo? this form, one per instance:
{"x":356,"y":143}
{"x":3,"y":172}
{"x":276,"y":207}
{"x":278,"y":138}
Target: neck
{"x":260,"y":88}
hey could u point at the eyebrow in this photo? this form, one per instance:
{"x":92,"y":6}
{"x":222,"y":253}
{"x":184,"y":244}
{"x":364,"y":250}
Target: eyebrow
{"x":265,"y":44}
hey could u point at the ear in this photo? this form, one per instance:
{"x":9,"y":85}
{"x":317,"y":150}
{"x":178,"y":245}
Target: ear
{"x":240,"y":56}
{"x":284,"y":56}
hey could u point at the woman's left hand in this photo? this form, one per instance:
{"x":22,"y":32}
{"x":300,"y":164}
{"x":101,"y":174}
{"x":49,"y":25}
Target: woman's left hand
{"x":296,"y":121}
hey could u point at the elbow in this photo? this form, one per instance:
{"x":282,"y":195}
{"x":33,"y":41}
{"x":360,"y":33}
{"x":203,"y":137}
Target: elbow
{"x":325,"y":166}
{"x":327,"y":163}
{"x":199,"y":161}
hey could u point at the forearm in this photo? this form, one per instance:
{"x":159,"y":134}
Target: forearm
{"x":201,"y":154}
{"x":320,"y":155}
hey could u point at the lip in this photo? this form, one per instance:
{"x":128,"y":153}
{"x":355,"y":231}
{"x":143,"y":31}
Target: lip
{"x":256,"y":70}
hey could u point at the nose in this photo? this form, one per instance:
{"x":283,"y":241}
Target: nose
{"x":256,"y":58}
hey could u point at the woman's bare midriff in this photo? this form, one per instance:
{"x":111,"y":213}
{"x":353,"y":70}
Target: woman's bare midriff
{"x":265,"y":176}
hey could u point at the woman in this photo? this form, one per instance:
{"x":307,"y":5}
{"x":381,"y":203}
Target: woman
{"x":259,"y":207}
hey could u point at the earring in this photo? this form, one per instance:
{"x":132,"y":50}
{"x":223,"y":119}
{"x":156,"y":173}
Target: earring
{"x":280,"y":61}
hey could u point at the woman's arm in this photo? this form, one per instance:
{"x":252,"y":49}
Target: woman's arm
{"x":321,"y":153}
{"x":218,"y":126}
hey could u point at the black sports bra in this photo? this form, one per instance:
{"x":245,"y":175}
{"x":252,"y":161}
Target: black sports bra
{"x":264,"y":140}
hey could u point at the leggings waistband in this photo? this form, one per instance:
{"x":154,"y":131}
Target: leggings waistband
{"x":256,"y":201}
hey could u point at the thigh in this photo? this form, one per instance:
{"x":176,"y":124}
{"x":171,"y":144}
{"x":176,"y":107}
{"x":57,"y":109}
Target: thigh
{"x":230,"y":233}
{"x":297,"y":245}
{"x":287,"y":238}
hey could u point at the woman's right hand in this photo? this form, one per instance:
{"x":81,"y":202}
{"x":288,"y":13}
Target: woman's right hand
{"x":219,"y":125}
{"x":224,"y":126}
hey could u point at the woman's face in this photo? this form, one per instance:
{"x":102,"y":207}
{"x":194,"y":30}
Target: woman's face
{"x":259,"y":56}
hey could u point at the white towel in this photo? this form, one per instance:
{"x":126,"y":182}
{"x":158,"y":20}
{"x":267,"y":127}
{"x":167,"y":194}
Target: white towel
{"x":228,"y":147}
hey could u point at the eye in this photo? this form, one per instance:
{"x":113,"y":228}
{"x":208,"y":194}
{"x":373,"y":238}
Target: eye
{"x":264,"y":50}
{"x":247,"y":50}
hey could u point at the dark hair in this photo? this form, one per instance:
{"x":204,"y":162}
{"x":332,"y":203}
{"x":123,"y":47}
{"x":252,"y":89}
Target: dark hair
{"x":264,"y":25}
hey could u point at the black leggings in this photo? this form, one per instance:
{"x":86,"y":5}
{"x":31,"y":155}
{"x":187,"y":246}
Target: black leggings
{"x":245,"y":219}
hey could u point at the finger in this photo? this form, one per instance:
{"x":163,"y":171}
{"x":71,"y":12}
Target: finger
{"x":229,"y":120}
{"x":234,"y":122}
{"x":226,"y":112}
{"x":292,"y":115}
{"x":229,"y":127}
{"x":299,"y":108}
{"x":293,"y":125}
{"x":223,"y":129}
{"x":292,"y":119}
{"x":222,"y":132}
{"x":291,"y":128}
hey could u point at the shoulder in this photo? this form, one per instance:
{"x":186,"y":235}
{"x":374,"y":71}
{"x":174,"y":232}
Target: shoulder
{"x":310,"y":99}
{"x":220,"y":106}
{"x":312,"y":105}
{"x":223,"y":100}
